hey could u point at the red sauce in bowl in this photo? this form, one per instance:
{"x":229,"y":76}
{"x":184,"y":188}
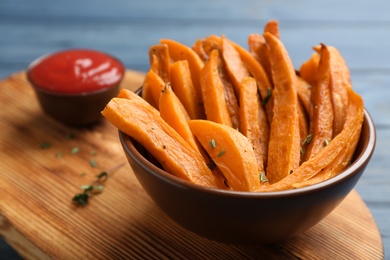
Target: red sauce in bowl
{"x":75,"y":71}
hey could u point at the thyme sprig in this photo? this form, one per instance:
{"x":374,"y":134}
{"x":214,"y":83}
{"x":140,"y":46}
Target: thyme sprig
{"x":88,"y":190}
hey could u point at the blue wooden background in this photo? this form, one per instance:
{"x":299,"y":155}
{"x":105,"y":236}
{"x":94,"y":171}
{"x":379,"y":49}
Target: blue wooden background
{"x":126,"y":29}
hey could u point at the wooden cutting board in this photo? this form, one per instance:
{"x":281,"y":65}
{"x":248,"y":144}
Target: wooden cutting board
{"x":38,"y":219}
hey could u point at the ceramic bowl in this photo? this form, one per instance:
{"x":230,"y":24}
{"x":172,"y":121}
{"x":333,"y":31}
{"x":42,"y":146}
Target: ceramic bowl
{"x":73,"y":109}
{"x":247,"y":217}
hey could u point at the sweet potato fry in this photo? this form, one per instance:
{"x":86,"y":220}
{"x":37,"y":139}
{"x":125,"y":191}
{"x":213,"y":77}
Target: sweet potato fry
{"x":179,"y":51}
{"x":284,"y":145}
{"x":198,"y":49}
{"x":151,"y":88}
{"x":235,"y":67}
{"x":174,"y":113}
{"x":143,"y":123}
{"x":213,"y":92}
{"x":255,"y":43}
{"x":308,"y":69}
{"x":256,"y":71}
{"x":341,"y":81}
{"x":154,"y":64}
{"x":272,"y":26}
{"x":184,"y":89}
{"x":230,"y":97}
{"x":321,"y":114}
{"x":304,"y":93}
{"x":254,"y":122}
{"x":326,"y":156}
{"x":160,"y":51}
{"x":259,"y":50}
{"x":128,"y":94}
{"x":304,"y":126}
{"x":231,"y":152}
{"x":211,"y":43}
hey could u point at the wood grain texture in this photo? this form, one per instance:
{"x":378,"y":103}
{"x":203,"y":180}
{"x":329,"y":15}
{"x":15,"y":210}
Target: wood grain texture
{"x":38,"y":219}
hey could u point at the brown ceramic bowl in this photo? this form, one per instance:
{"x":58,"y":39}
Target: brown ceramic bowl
{"x":245,"y":217}
{"x":74,"y":108}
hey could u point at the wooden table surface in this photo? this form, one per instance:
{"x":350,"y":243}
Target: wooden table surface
{"x":126,"y":29}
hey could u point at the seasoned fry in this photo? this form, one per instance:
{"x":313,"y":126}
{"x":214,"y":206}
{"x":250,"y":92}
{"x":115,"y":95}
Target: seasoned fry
{"x":230,"y":98}
{"x":341,"y":81}
{"x":211,"y":43}
{"x":142,"y":122}
{"x":259,"y":50}
{"x":272,"y":26}
{"x":154,"y":64}
{"x":321,"y":114}
{"x":184,"y":89}
{"x":304,"y":93}
{"x":304,"y":126}
{"x":128,"y":94}
{"x":284,"y":144}
{"x":308,"y":69}
{"x":213,"y":92}
{"x":235,"y":67}
{"x":230,"y":151}
{"x":254,"y":122}
{"x":256,"y":71}
{"x":174,"y":113}
{"x":151,"y":88}
{"x":198,"y":49}
{"x":255,"y":43}
{"x":179,"y":51}
{"x":160,"y":51}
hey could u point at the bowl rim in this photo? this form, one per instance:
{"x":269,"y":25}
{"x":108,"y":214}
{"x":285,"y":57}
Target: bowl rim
{"x":84,"y":93}
{"x":352,"y":169}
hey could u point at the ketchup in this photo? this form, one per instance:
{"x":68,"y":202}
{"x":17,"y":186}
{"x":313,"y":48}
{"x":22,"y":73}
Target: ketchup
{"x":76,"y":71}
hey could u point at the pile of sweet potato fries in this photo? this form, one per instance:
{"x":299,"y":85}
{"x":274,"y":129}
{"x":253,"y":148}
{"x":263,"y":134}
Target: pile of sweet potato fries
{"x":224,"y":116}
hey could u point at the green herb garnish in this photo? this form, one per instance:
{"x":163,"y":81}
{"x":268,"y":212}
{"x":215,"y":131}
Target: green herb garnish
{"x":93,"y":163}
{"x":212,"y":144}
{"x":267,"y":98}
{"x":81,"y":199}
{"x":263,"y":178}
{"x":86,"y":188}
{"x":308,"y":139}
{"x":75,"y":150}
{"x":102,"y":175}
{"x":221,"y":153}
{"x":89,"y":190}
